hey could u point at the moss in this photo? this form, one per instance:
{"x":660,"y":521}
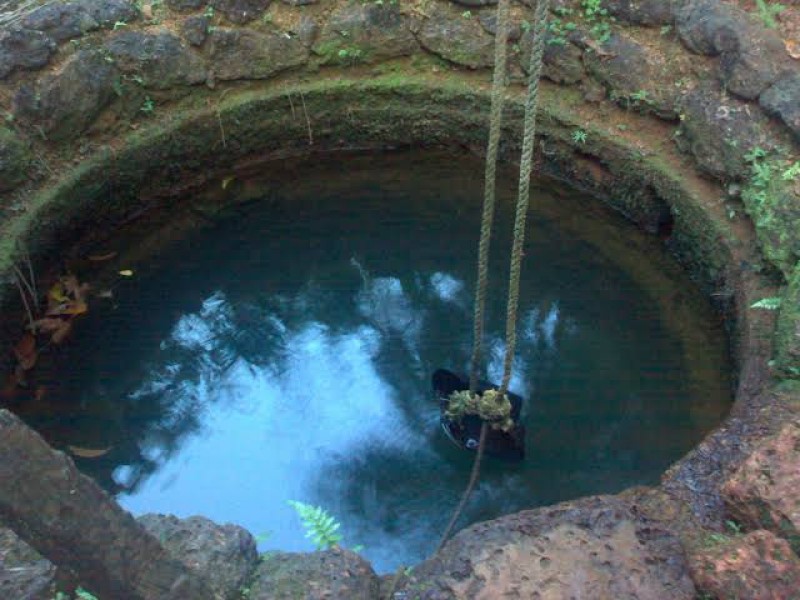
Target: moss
{"x":14,"y":159}
{"x":787,"y":336}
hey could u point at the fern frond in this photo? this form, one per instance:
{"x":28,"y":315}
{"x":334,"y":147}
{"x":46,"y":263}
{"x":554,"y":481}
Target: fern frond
{"x":321,"y":528}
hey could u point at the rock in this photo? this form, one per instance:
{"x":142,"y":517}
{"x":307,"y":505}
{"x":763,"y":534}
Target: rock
{"x":488,"y":21}
{"x":777,"y":222}
{"x":61,"y":21}
{"x":651,"y":13}
{"x":225,"y":554}
{"x":758,"y":63}
{"x":719,"y":130}
{"x":635,"y":76}
{"x":457,"y":39}
{"x":757,"y":565}
{"x":300,"y":2}
{"x":241,"y":11}
{"x":65,"y":104}
{"x":710,"y":27}
{"x":781,"y":100}
{"x":306,"y":31}
{"x":186,"y":5}
{"x":159,"y":59}
{"x":110,"y":12}
{"x":24,"y":573}
{"x":248,"y":54}
{"x":14,"y":160}
{"x":336,"y":574}
{"x":563,"y":63}
{"x":762,"y":493}
{"x":787,"y":335}
{"x":596,"y":547}
{"x":364,"y":33}
{"x":195,"y":30}
{"x":475,"y":3}
{"x":24,"y":49}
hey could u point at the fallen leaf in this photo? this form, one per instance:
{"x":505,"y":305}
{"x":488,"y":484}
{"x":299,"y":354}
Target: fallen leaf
{"x":793,"y":48}
{"x":25,"y":352}
{"x":88,"y":452}
{"x":126,"y":273}
{"x":60,"y":334}
{"x":102,"y":257}
{"x":48,"y":324}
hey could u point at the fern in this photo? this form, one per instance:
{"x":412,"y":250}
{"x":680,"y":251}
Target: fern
{"x":321,"y":528}
{"x":773,"y":303}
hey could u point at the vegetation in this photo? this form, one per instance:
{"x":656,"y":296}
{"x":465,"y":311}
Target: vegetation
{"x":592,"y":12}
{"x":767,"y":12}
{"x":579,"y":136}
{"x":321,"y":528}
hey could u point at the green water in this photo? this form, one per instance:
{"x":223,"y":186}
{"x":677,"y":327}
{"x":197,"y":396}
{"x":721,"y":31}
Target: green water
{"x":283,"y":350}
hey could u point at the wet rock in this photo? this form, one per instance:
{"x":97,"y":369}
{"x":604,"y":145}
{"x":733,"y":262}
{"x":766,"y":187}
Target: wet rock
{"x":563,"y":63}
{"x":643,"y":12}
{"x":24,"y":573}
{"x":109,"y":12}
{"x":225,"y":554}
{"x":159,"y":59}
{"x":762,"y":493}
{"x":456,"y":38}
{"x":241,"y":11}
{"x":65,"y":104}
{"x":24,"y":49}
{"x":14,"y":160}
{"x":787,"y":336}
{"x":635,"y":76}
{"x":781,"y":100}
{"x":595,"y":547}
{"x":719,"y":130}
{"x":248,"y":54}
{"x":186,"y":5}
{"x":365,"y":33}
{"x":61,"y":21}
{"x":195,"y":30}
{"x":335,"y":574}
{"x":757,"y":565}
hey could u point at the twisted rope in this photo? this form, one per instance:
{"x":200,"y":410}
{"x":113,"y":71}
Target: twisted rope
{"x":526,"y":166}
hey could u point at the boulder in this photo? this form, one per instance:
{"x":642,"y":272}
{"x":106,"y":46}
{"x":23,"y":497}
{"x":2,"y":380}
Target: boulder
{"x":24,"y":49}
{"x":762,"y":493}
{"x":711,"y":27}
{"x":781,"y":101}
{"x":195,"y":30}
{"x":66,"y":103}
{"x":365,"y":33}
{"x":110,"y":12}
{"x":248,"y":54}
{"x":597,"y":547}
{"x":61,"y":21}
{"x":159,"y":59}
{"x":24,"y":573}
{"x":787,"y":335}
{"x":14,"y":160}
{"x":756,"y":565}
{"x":336,"y":574}
{"x":241,"y":11}
{"x":760,"y":61}
{"x":651,"y":13}
{"x":563,"y":63}
{"x":457,"y":38}
{"x":224,"y":554}
{"x":186,"y":5}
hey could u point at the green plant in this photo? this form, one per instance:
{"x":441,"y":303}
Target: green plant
{"x":148,"y":106}
{"x":767,"y":12}
{"x":321,"y":528}
{"x":598,"y":17}
{"x":467,"y":14}
{"x":209,"y":12}
{"x":82,"y":594}
{"x":771,"y":303}
{"x":119,"y":25}
{"x":733,"y":527}
{"x":349,"y":55}
{"x":579,"y":136}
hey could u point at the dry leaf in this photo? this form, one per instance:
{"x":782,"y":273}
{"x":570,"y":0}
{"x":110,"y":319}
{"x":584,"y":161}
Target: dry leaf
{"x":102,"y":257}
{"x":60,"y":334}
{"x":793,"y":48}
{"x":88,"y":452}
{"x":126,"y":273}
{"x":25,"y":352}
{"x":48,"y":324}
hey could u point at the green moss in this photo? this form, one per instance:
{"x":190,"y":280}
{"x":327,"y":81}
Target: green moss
{"x":787,"y":336}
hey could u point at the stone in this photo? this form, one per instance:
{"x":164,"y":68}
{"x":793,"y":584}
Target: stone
{"x":66,"y":103}
{"x":758,"y":63}
{"x":787,"y":334}
{"x":248,"y":54}
{"x":457,"y":39}
{"x":475,"y":3}
{"x":563,"y":63}
{"x":719,"y":130}
{"x":597,"y":547}
{"x":225,"y":554}
{"x":305,"y":30}
{"x":488,"y":21}
{"x":756,"y":565}
{"x":110,"y":12}
{"x":241,"y":11}
{"x":649,"y":13}
{"x":364,"y":33}
{"x":195,"y":30}
{"x":14,"y":160}
{"x":24,"y":49}
{"x":300,"y":2}
{"x":635,"y":76}
{"x":335,"y":574}
{"x":61,"y":21}
{"x":159,"y":59}
{"x":186,"y":5}
{"x":781,"y":101}
{"x":24,"y":573}
{"x":710,"y":27}
{"x":762,"y":492}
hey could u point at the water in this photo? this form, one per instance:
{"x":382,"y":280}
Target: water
{"x":284,"y":352}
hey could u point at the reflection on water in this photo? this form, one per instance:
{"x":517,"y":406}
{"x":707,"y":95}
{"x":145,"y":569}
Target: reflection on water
{"x":285,"y":353}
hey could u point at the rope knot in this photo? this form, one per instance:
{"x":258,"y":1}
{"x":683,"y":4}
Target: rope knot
{"x":491,"y":406}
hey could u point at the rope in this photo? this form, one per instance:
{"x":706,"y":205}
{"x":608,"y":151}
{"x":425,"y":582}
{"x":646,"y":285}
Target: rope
{"x":526,"y":166}
{"x":495,"y":120}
